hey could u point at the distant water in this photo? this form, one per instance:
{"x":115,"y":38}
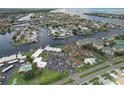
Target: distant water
{"x":90,"y":10}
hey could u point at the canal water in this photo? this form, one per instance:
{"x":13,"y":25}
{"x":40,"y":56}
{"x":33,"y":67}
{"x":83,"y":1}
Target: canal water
{"x":6,"y":47}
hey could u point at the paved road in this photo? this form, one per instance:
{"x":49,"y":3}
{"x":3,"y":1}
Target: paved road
{"x":79,"y":80}
{"x":76,"y":75}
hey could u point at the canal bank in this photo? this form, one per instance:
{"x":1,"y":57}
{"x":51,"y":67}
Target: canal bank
{"x":7,"y":48}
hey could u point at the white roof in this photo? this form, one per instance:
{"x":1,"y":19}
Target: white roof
{"x":48,"y":48}
{"x":41,"y":64}
{"x":37,"y":60}
{"x":89,"y":60}
{"x":13,"y":61}
{"x":3,"y":59}
{"x":37,"y":53}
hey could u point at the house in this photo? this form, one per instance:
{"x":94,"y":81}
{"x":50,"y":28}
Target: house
{"x":37,"y":53}
{"x":109,"y":38}
{"x":85,"y":41}
{"x":37,"y":59}
{"x":118,"y":47}
{"x":90,"y":60}
{"x":119,"y":41}
{"x":74,"y":62}
{"x":108,"y":50}
{"x":98,"y":44}
{"x":42,"y":65}
{"x":52,"y":49}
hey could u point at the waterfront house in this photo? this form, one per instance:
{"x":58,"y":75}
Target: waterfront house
{"x":118,"y":47}
{"x":99,"y":44}
{"x":109,"y":38}
{"x":108,"y":50}
{"x":119,"y":41}
{"x":85,"y":41}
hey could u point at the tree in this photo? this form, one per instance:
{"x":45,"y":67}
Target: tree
{"x":34,"y":67}
{"x":28,"y":75}
{"x":29,"y":58}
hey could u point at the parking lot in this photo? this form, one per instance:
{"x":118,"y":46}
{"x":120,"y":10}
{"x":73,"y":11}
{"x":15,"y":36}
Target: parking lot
{"x":58,"y":63}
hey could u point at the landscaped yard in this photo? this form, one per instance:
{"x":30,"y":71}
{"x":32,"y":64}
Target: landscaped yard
{"x":46,"y":77}
{"x":45,"y":55}
{"x":80,"y":57}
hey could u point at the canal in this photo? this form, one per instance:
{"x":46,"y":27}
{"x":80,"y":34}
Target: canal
{"x":7,"y":48}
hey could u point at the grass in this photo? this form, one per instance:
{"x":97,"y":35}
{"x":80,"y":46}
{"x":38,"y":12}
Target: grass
{"x":51,"y":76}
{"x":44,"y":55}
{"x":17,"y":44}
{"x":20,"y":80}
{"x":94,"y":79}
{"x":60,"y":46}
{"x":84,"y":75}
{"x":46,"y":77}
{"x":113,"y":71}
{"x":29,"y":53}
{"x":118,"y":62}
{"x":80,"y":57}
{"x":68,"y":81}
{"x":107,"y":75}
{"x":87,"y":67}
{"x":122,"y":68}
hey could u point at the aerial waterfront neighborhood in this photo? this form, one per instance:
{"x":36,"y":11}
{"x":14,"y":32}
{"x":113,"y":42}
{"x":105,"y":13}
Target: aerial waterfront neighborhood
{"x":61,"y":47}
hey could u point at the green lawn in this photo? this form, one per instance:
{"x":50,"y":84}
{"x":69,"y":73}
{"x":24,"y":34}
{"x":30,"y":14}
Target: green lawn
{"x":51,"y":76}
{"x":89,"y":73}
{"x":21,"y":81}
{"x":80,"y":57}
{"x":60,"y":46}
{"x":46,"y":77}
{"x":29,"y":53}
{"x":68,"y":82}
{"x":107,"y":75}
